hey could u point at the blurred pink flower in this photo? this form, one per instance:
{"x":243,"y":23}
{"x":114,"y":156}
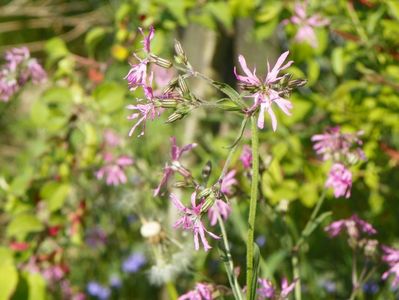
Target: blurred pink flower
{"x":340,"y":180}
{"x":267,"y":291}
{"x":391,"y":257}
{"x":227,"y":183}
{"x":306,"y":24}
{"x":353,"y":226}
{"x":219,"y":208}
{"x":111,"y":138}
{"x":113,"y":169}
{"x":338,"y":146}
{"x":263,"y":92}
{"x":162,"y":77}
{"x":175,"y":165}
{"x":191,"y":220}
{"x":246,"y":157}
{"x":202,"y":291}
{"x":137,"y":75}
{"x":17,"y":71}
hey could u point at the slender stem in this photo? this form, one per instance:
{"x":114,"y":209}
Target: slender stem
{"x":304,"y":234}
{"x":355,"y":283}
{"x":252,"y":206}
{"x":230,"y":265}
{"x":172,"y":292}
{"x":297,"y":275}
{"x":232,"y":150}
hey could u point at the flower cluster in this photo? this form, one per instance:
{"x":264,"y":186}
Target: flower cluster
{"x":266,"y":289}
{"x":342,"y":149}
{"x":113,"y":167}
{"x":191,"y":219}
{"x":306,"y":24}
{"x":358,"y":232}
{"x":17,"y":71}
{"x":391,"y":257}
{"x":353,"y":226}
{"x":140,"y":75}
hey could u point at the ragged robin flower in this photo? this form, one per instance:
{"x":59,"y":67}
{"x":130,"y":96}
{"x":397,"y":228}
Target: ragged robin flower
{"x":268,"y":91}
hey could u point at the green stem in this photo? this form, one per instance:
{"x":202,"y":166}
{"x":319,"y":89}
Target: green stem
{"x":172,"y":292}
{"x":297,"y":275}
{"x":355,"y":282}
{"x":304,"y":234}
{"x":306,"y":231}
{"x":230,"y":265}
{"x":252,"y":206}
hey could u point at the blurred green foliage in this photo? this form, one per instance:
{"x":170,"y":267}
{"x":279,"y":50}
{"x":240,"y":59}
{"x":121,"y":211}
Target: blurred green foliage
{"x":52,"y":141}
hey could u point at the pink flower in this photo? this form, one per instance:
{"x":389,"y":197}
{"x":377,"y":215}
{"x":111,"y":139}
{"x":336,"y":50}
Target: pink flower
{"x":144,"y":112}
{"x":137,"y":75}
{"x":267,"y":291}
{"x":18,"y":70}
{"x":162,"y":77}
{"x":263,"y":92}
{"x":286,"y":288}
{"x":202,"y":291}
{"x":353,"y":226}
{"x":36,"y":71}
{"x":8,"y":85}
{"x":175,"y":165}
{"x":391,"y":257}
{"x":340,"y":180}
{"x":16,"y":56}
{"x":246,"y":157}
{"x":191,"y":220}
{"x":338,"y":146}
{"x":219,"y":208}
{"x":113,"y":169}
{"x":111,"y":138}
{"x":227,"y":183}
{"x":306,"y":24}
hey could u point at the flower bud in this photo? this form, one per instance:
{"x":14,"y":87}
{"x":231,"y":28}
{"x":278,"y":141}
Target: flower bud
{"x":168,"y":103}
{"x":174,"y":117}
{"x":181,"y":55}
{"x":204,"y":193}
{"x":164,"y":63}
{"x":209,"y":202}
{"x":183,"y":85}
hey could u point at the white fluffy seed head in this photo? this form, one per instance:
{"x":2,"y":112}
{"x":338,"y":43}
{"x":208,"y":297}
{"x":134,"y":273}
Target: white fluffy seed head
{"x":150,"y":229}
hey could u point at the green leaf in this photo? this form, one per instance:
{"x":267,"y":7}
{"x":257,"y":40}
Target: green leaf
{"x":37,"y":286}
{"x":313,"y":71}
{"x":393,"y":8}
{"x":8,"y":274}
{"x":55,"y":49}
{"x":337,"y":61}
{"x":93,"y":37}
{"x":55,"y":194}
{"x":265,"y":30}
{"x":21,"y":182}
{"x":221,"y":12}
{"x":230,"y":92}
{"x":23,"y":224}
{"x":110,"y":96}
